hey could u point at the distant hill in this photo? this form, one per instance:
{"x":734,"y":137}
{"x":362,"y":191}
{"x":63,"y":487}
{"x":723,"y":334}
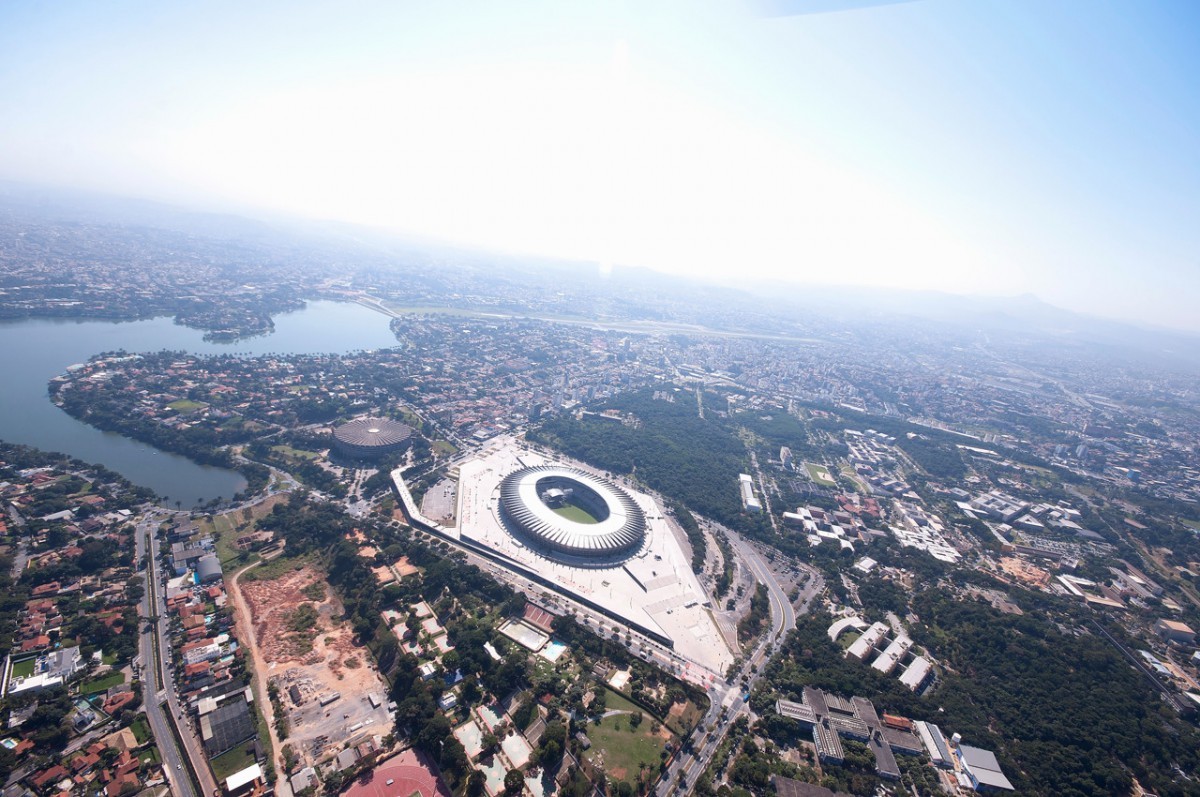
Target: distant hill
{"x":1024,"y":315}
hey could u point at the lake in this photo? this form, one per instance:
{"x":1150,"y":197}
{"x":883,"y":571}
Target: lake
{"x":34,"y":351}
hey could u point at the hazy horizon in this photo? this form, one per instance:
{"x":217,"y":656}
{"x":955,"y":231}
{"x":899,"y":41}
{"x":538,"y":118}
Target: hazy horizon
{"x":985,"y":148}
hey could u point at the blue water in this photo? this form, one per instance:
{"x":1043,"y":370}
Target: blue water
{"x":34,"y":351}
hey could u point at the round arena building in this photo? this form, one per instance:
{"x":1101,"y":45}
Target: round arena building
{"x":370,"y":438}
{"x":571,"y":513}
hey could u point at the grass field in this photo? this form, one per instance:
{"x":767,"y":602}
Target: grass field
{"x":233,"y":761}
{"x":1194,"y":525}
{"x":149,"y":756}
{"x":295,"y":453}
{"x":222,"y":528}
{"x":623,"y":748}
{"x":819,"y":474}
{"x":186,"y":405}
{"x":849,"y":474}
{"x":226,"y":528}
{"x":683,"y":717}
{"x":140,"y":728}
{"x":103,"y":684}
{"x":276,"y":568}
{"x":575,"y":513}
{"x":24,"y":668}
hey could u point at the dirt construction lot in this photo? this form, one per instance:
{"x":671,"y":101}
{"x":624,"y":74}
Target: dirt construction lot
{"x":329,"y":687}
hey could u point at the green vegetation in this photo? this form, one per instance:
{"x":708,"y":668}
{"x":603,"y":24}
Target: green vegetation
{"x":232,"y":761}
{"x":1035,"y":688}
{"x":625,"y":742}
{"x":140,"y":728}
{"x":1022,"y":686}
{"x":725,"y":580}
{"x":302,"y":618}
{"x":227,"y":527}
{"x":295,"y":453}
{"x":222,"y":528}
{"x":940,"y":459}
{"x":275,"y":568}
{"x":24,"y":667}
{"x":305,"y":469}
{"x":693,"y":460}
{"x":692,"y":529}
{"x":848,"y":638}
{"x":149,"y":756}
{"x":575,"y":513}
{"x":314,"y":591}
{"x":819,"y":474}
{"x":186,"y":405}
{"x":110,"y":412}
{"x":760,"y":611}
{"x":103,"y":684}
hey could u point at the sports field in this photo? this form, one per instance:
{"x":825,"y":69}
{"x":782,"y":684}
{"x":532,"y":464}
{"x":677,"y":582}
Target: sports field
{"x":819,"y":474}
{"x":525,"y":635}
{"x":575,"y":513}
{"x":620,"y":744}
{"x":186,"y":405}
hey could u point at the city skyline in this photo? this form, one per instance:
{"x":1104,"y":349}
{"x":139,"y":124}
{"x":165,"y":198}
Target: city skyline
{"x":987,"y":148}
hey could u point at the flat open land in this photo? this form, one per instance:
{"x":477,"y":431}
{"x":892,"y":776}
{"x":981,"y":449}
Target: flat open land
{"x":301,"y":642}
{"x":232,"y":761}
{"x":819,"y":474}
{"x":620,"y":748}
{"x":186,"y":405}
{"x":296,"y":454}
{"x":575,"y":513}
{"x":439,"y":502}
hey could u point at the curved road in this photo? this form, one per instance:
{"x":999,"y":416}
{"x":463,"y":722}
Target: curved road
{"x":731,"y":702}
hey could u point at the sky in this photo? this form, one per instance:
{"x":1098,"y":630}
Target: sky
{"x":996,"y":147}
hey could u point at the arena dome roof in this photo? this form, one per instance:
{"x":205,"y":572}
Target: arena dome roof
{"x":619,"y":529}
{"x":371,"y":436}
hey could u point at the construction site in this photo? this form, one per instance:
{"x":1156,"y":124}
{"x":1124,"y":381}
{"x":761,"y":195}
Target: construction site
{"x":332,"y":694}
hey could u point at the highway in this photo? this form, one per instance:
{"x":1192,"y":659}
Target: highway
{"x":154,"y":689}
{"x":727,"y":698}
{"x":731,"y":702}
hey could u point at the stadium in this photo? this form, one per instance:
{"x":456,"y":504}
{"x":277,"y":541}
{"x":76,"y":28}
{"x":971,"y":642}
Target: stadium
{"x":597,"y":543}
{"x":370,"y":438}
{"x":571,"y":515}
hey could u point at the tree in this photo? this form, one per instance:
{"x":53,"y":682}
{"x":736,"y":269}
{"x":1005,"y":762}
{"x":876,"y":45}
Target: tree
{"x":514,"y":782}
{"x":488,"y":743}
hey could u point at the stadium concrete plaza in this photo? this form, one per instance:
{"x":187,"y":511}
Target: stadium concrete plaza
{"x":653,"y":588}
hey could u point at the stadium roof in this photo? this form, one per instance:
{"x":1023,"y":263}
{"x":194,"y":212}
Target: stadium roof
{"x":371,"y":433}
{"x":621,"y":529}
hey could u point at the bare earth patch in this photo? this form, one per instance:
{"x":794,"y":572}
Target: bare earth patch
{"x":342,"y":695}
